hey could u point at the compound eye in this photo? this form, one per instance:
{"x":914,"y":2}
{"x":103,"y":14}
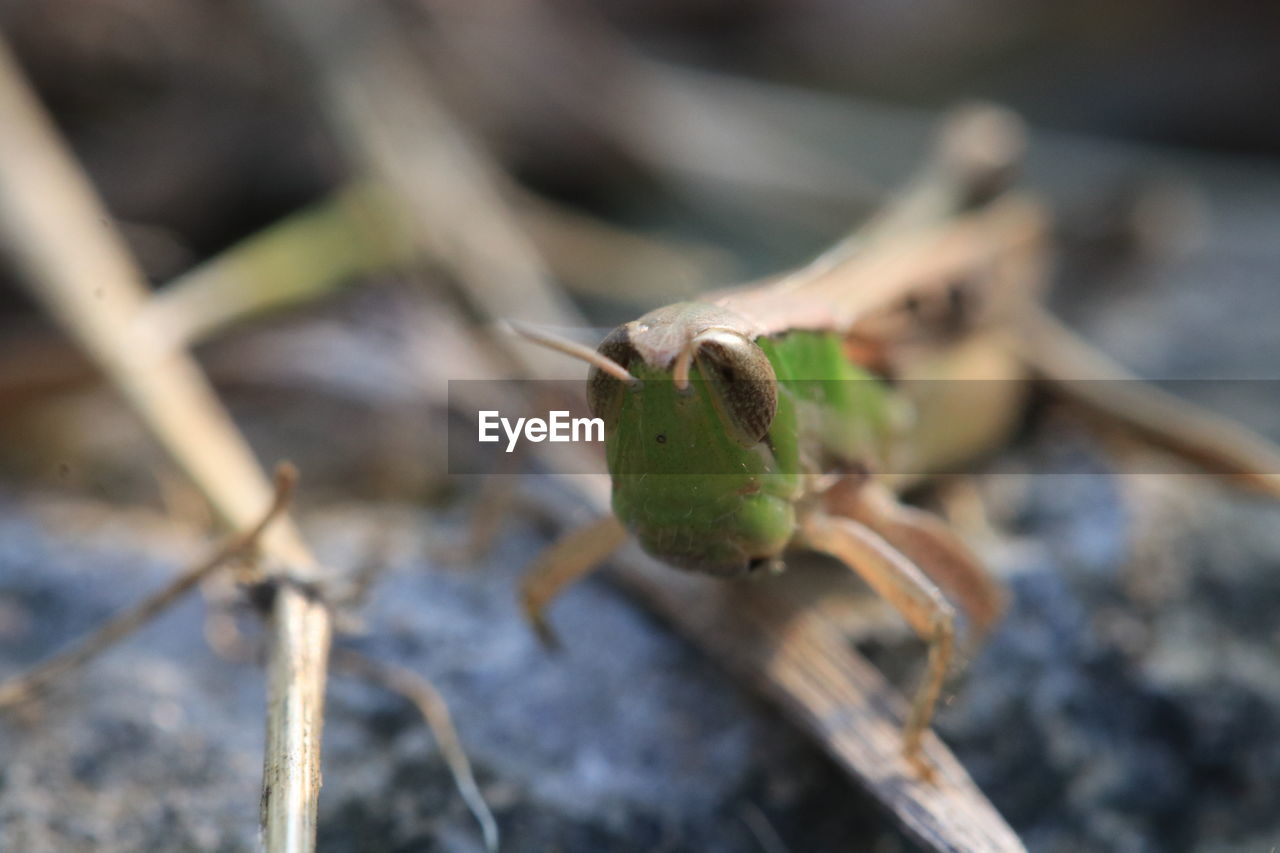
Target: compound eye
{"x":605,"y":393}
{"x":740,"y":381}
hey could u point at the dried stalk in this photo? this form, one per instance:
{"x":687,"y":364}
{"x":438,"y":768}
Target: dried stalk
{"x":435,"y":711}
{"x":384,"y":110}
{"x":351,"y":235}
{"x":297,"y":260}
{"x":75,"y":265}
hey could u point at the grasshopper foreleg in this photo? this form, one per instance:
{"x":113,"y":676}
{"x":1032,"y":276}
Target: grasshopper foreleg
{"x":906,"y":587}
{"x":928,"y":542}
{"x":570,"y":559}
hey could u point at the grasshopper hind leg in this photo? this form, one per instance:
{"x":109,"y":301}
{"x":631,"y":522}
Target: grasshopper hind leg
{"x":568,"y":560}
{"x":911,"y":593}
{"x":1086,"y":377}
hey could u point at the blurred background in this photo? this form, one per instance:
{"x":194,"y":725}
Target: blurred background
{"x":637,"y":152}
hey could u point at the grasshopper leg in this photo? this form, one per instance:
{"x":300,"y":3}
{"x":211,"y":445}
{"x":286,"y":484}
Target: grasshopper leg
{"x":906,"y":587}
{"x":928,"y":542}
{"x":567,"y":561}
{"x":1093,"y":381}
{"x":497,"y":498}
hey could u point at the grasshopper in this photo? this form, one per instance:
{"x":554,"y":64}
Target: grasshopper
{"x":768,"y":418}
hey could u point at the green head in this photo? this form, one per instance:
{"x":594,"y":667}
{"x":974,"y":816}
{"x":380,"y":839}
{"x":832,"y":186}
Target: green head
{"x":691,"y":440}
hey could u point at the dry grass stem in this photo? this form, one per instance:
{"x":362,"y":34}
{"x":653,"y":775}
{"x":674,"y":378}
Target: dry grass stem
{"x":74,"y":264}
{"x":435,"y":711}
{"x":383,"y":106}
{"x":294,"y":261}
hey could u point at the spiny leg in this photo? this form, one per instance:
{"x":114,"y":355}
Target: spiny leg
{"x":568,"y":560}
{"x":905,"y":586}
{"x":926,"y":541}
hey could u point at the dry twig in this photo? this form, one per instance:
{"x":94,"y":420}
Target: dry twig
{"x":351,"y":234}
{"x":297,"y":260}
{"x":384,"y":110}
{"x":76,"y":266}
{"x":435,"y":711}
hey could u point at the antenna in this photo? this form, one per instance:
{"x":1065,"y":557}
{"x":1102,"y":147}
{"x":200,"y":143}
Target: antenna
{"x":571,"y":348}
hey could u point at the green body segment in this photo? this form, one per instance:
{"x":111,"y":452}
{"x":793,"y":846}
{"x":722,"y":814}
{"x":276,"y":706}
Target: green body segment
{"x":697,"y":498}
{"x":843,"y":410}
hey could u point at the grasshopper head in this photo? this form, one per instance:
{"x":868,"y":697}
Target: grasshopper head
{"x":688,"y":440}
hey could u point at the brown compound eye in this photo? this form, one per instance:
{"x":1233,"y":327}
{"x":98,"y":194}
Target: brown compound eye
{"x":740,"y":381}
{"x":605,"y":393}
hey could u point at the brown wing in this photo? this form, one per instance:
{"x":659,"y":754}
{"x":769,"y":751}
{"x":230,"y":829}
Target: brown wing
{"x":884,"y":284}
